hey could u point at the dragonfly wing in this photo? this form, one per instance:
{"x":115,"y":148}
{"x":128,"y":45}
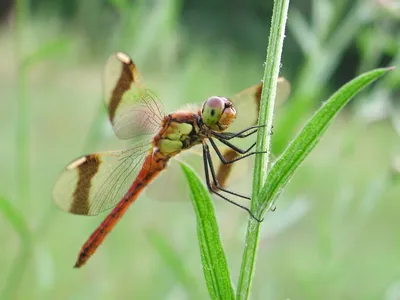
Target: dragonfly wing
{"x":132,"y":109}
{"x":96,"y":182}
{"x":282,"y":91}
{"x":247,"y":103}
{"x":170,"y":185}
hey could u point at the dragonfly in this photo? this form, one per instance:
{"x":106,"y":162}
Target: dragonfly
{"x":101,"y":181}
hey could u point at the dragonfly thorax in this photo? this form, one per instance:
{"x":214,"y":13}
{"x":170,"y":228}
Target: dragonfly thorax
{"x":217,"y":113}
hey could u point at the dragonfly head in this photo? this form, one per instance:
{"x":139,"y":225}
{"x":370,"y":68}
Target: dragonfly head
{"x":218,"y":113}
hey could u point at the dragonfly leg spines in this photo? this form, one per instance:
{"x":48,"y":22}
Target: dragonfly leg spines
{"x":209,"y":185}
{"x":208,"y":159}
{"x":224,"y":161}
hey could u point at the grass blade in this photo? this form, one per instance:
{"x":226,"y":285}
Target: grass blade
{"x":306,"y":140}
{"x":23,"y":108}
{"x":213,"y":258}
{"x":21,"y":261}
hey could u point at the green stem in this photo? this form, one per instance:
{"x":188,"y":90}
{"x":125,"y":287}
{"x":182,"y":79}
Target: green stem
{"x":270,"y":80}
{"x":21,"y":12}
{"x":248,"y":259}
{"x":271,"y":72}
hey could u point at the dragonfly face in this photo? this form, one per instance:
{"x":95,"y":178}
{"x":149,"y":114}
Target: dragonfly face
{"x":218,"y":113}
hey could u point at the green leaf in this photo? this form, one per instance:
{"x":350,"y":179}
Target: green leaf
{"x":213,"y":258}
{"x":307,"y":139}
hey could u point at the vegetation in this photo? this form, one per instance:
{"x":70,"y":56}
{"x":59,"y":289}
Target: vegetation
{"x":333,"y":234}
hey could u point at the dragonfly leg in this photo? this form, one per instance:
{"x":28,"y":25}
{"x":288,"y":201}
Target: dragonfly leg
{"x":217,"y":186}
{"x":224,"y":161}
{"x":209,"y":185}
{"x":235,"y":148}
{"x":231,"y":135}
{"x":240,"y":134}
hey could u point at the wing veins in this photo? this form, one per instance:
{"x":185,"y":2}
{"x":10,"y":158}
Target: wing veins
{"x":117,"y":178}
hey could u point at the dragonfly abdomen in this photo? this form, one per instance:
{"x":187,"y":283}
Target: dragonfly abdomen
{"x":152,"y":166}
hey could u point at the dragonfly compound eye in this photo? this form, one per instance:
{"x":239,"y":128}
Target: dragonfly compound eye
{"x":218,"y":113}
{"x":212,"y":111}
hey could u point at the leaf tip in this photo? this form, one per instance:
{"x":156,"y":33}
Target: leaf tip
{"x":389,"y":69}
{"x":184,"y":167}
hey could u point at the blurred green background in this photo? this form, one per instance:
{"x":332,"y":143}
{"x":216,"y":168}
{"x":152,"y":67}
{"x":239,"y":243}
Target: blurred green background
{"x":335,"y":232}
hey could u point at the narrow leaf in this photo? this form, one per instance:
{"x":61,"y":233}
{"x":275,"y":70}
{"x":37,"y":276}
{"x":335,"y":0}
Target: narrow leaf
{"x":301,"y":146}
{"x":213,"y":258}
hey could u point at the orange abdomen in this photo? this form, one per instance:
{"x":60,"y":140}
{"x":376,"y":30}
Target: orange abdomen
{"x":150,"y":169}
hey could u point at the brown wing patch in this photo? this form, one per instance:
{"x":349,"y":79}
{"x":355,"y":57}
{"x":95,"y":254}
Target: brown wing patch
{"x":87,"y":167}
{"x":123,"y":84}
{"x":257,"y":96}
{"x":132,"y":109}
{"x":225,"y":170}
{"x":96,"y":182}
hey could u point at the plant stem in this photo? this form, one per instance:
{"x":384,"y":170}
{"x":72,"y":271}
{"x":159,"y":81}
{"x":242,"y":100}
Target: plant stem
{"x":248,"y":260}
{"x":22,"y":104}
{"x":266,"y":113}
